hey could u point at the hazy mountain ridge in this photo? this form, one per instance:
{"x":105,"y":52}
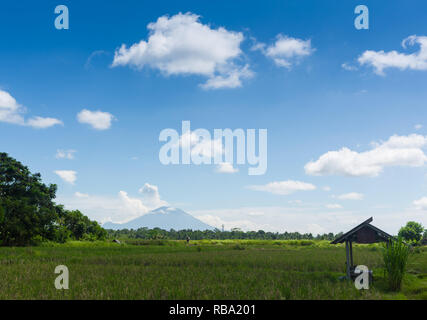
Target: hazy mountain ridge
{"x":164,"y":218}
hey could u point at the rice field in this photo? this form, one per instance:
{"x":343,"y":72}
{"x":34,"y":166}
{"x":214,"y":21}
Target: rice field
{"x":206,"y":269}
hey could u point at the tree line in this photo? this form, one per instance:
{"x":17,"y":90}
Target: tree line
{"x":216,"y":234}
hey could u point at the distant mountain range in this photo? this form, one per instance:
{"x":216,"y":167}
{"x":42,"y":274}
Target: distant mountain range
{"x":164,"y":218}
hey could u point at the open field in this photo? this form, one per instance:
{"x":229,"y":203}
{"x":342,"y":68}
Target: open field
{"x":206,"y":269}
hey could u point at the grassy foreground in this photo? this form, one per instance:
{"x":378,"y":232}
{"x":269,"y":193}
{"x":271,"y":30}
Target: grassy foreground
{"x":206,"y":269}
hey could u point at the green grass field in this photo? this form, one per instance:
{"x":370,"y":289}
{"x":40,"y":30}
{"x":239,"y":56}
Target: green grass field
{"x":233,"y":269}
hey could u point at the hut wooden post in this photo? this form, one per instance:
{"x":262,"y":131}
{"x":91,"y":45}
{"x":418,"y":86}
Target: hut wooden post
{"x":347,"y":253}
{"x":351,"y":254}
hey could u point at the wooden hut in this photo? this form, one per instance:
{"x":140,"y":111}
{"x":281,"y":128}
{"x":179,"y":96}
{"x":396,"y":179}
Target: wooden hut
{"x":363,"y":233}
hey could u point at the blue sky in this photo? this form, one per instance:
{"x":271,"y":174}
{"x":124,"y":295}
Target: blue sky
{"x":299,"y":69}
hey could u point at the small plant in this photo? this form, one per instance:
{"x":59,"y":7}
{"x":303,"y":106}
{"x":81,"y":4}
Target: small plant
{"x":238,"y":247}
{"x":395,"y":256}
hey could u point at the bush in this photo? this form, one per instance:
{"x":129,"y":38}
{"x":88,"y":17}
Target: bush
{"x":238,"y":247}
{"x":412,"y":232}
{"x":395,"y":256}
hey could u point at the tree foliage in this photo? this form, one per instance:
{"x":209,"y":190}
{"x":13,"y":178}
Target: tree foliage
{"x":157,"y":233}
{"x":412,"y":232}
{"x":28,"y":213}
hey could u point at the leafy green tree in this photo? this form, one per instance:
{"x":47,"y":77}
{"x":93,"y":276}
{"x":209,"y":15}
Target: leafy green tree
{"x":412,"y":232}
{"x":78,"y":226}
{"x":28,"y":213}
{"x":27,"y":209}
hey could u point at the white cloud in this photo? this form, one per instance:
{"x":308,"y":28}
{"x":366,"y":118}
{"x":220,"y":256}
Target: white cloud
{"x":286,"y":50}
{"x":381,"y":60}
{"x":69,"y":176}
{"x":81,"y":195}
{"x":97,"y":119}
{"x":333,"y":206}
{"x":42,"y":123}
{"x":326,"y":188}
{"x":226,"y":167}
{"x":231,"y":79}
{"x":283,"y":187}
{"x":117,"y":208}
{"x":418,"y":126}
{"x":133,"y":205}
{"x":421,"y":203}
{"x":65,"y":154}
{"x":305,"y":219}
{"x":348,"y":67}
{"x":12,"y":112}
{"x":351,"y":196}
{"x":151,"y":196}
{"x":396,"y":151}
{"x":201,"y":146}
{"x":181,"y":45}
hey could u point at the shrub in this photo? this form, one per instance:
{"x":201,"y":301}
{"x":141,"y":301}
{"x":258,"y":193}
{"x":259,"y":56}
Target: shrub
{"x":412,"y":232}
{"x":395,"y":256}
{"x":238,"y":247}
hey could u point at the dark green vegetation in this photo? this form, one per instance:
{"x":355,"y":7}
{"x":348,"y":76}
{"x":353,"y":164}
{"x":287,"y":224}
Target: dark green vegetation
{"x":157,"y":233}
{"x":205,"y":269}
{"x":412,"y":232}
{"x":395,"y":255}
{"x":28,"y":214}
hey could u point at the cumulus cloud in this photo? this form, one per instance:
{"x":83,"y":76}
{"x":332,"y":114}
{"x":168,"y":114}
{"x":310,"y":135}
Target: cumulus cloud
{"x":69,"y":176}
{"x":134,"y":205}
{"x":42,"y":123}
{"x":12,"y":112}
{"x":118,"y":208}
{"x":65,"y":154}
{"x":286,"y":51}
{"x":421,"y":203}
{"x":396,"y":151}
{"x":231,"y":78}
{"x":97,"y":119}
{"x":226,"y":167}
{"x":151,"y":196}
{"x":81,"y":195}
{"x":351,"y":196}
{"x":200,"y":146}
{"x":182,"y":45}
{"x":381,"y":60}
{"x":283,"y":187}
{"x":348,"y":67}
